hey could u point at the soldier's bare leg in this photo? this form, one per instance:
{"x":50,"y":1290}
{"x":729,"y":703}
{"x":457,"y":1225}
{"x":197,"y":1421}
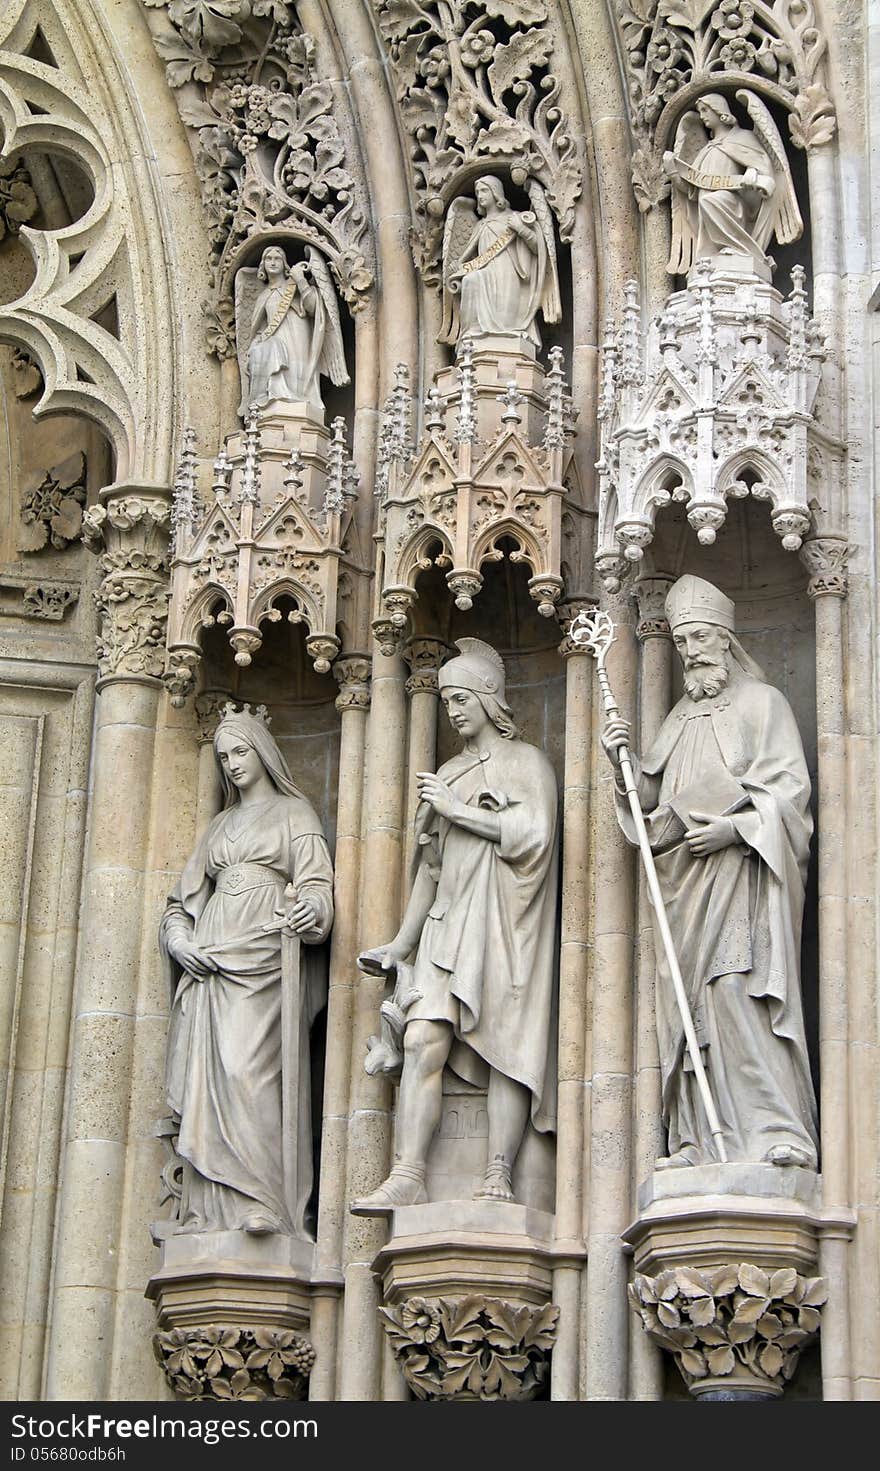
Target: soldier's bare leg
{"x":508,"y":1107}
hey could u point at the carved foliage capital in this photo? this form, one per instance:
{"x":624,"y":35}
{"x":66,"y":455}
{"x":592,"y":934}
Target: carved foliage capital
{"x":130,"y":535}
{"x":223,"y":1362}
{"x":471,"y":1348}
{"x":825,"y":559}
{"x":210,"y":705}
{"x":424,"y":657}
{"x":353,"y":674}
{"x":735,"y":1324}
{"x":566,"y":613}
{"x":650,"y":594}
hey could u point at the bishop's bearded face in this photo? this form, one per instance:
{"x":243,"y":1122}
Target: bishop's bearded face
{"x":703,"y":649}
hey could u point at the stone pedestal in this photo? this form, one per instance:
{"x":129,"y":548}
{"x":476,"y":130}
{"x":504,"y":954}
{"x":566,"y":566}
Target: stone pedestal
{"x":726,"y":1257}
{"x":467,"y":1305}
{"x":232,"y":1277}
{"x":498,"y":361}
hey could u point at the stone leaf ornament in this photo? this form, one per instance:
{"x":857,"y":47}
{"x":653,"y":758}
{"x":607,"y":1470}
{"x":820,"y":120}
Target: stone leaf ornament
{"x":730,"y":1320}
{"x":671,"y":45}
{"x":218,"y":1362}
{"x":18,"y":202}
{"x":268,"y":149}
{"x":471,"y":1348}
{"x":475,"y":83}
{"x":52,"y":506}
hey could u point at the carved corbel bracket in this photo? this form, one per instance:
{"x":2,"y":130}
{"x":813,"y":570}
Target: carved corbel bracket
{"x":232,"y":1313}
{"x":735,"y":1331}
{"x":472,"y":1348}
{"x":725,"y":1274}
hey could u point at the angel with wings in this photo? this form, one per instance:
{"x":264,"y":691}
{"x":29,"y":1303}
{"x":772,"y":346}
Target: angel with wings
{"x":499,"y":265}
{"x":287,"y":326}
{"x":732,"y":189}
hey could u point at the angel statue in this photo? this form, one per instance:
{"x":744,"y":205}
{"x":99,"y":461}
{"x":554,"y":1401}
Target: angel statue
{"x":499,"y":265}
{"x":288,"y":331}
{"x":732,"y":188}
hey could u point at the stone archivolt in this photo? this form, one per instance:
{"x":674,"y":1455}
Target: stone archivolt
{"x":717,"y":399}
{"x":112,"y":254}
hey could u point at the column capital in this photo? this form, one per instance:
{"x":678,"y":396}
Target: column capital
{"x":424,"y":657}
{"x":825,"y":559}
{"x":353,"y":674}
{"x":565,"y":614}
{"x":129,"y":533}
{"x":210,"y":705}
{"x":650,"y":595}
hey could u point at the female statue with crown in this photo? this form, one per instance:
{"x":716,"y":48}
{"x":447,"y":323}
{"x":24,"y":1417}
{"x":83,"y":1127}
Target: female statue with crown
{"x":228,"y":1066}
{"x":481,"y":920}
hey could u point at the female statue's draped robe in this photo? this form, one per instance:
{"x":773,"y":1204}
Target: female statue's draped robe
{"x":486,"y":959}
{"x":225,"y":1037}
{"x":735,"y":918}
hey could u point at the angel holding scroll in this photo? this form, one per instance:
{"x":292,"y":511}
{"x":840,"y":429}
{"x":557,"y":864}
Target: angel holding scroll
{"x":499,"y":265}
{"x":287,"y":326}
{"x":732,"y":186}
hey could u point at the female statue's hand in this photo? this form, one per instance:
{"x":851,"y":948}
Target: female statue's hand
{"x":303,"y":916}
{"x":192,"y":959}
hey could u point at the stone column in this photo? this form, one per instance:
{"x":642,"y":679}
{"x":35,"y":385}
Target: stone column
{"x":209,"y":709}
{"x":369,"y":1129}
{"x":424,"y":657}
{"x":573,"y":1114}
{"x":129,"y":530}
{"x":825,"y":560}
{"x":655,"y":694}
{"x":353,"y":703}
{"x":606,"y":1319}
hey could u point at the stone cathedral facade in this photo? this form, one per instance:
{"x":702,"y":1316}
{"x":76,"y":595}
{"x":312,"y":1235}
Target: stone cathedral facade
{"x":393,"y":391}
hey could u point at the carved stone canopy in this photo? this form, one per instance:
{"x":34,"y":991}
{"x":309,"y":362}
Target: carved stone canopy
{"x":489,"y":467}
{"x":719,"y":398}
{"x":272,"y":527}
